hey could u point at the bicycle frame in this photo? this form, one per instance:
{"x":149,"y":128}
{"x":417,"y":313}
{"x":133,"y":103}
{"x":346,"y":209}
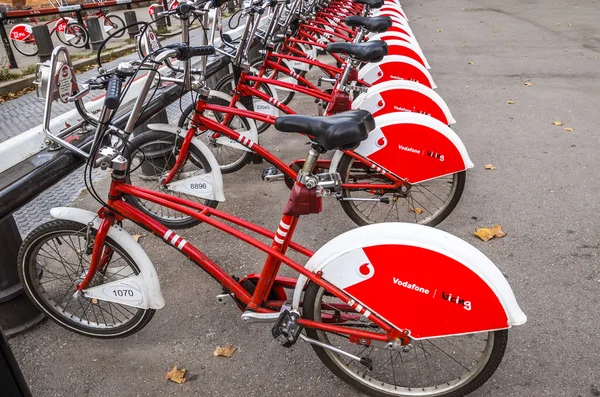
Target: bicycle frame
{"x":202,"y":122}
{"x":258,"y":300}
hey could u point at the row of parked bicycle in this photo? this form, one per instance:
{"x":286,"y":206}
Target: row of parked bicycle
{"x":67,"y":29}
{"x":393,"y":308}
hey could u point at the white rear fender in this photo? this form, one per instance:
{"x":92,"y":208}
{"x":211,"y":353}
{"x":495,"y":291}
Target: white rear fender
{"x":211,"y":182}
{"x":142,"y":290}
{"x":415,"y":147}
{"x":403,"y":96}
{"x":427,"y":282}
{"x":396,"y":67}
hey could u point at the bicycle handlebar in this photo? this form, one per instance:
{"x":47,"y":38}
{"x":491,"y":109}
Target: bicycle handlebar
{"x":113,"y":93}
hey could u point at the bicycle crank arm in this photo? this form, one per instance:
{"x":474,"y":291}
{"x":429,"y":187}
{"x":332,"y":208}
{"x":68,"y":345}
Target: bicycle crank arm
{"x":366,"y":361}
{"x":379,"y":200}
{"x":252,"y":317}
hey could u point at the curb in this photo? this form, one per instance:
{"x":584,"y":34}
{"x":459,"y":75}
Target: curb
{"x":27,"y":81}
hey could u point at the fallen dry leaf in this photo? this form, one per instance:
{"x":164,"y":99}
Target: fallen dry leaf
{"x":494,"y":31}
{"x":417,"y":210}
{"x":484,"y":233}
{"x":438,"y":30}
{"x":568,"y":129}
{"x":498,"y":232}
{"x":468,"y":86}
{"x":137,"y":237}
{"x":176,"y":375}
{"x":489,"y":167}
{"x":225,"y":351}
{"x":510,"y":102}
{"x":471,"y":63}
{"x":558,"y":123}
{"x":528,"y":83}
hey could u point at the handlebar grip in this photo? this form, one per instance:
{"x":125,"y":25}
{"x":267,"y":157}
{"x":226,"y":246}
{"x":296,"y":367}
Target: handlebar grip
{"x":186,"y":53}
{"x":113,"y":93}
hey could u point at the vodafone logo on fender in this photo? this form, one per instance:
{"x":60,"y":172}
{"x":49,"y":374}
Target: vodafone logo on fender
{"x":409,"y":149}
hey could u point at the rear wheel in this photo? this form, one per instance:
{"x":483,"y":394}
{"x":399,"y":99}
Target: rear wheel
{"x":26,"y":47}
{"x":449,"y":366}
{"x":113,"y":23}
{"x":427,"y":203}
{"x":75,"y":35}
{"x":152,"y":155}
{"x":55,"y":257}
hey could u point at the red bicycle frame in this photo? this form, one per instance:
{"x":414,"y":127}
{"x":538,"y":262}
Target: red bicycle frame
{"x":118,"y":210}
{"x":199,"y":121}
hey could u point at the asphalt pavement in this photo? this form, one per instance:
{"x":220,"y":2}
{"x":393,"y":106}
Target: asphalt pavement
{"x":543,"y":192}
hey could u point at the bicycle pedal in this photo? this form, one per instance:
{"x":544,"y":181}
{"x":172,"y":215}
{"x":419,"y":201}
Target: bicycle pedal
{"x":286,"y":331}
{"x":271,"y":174}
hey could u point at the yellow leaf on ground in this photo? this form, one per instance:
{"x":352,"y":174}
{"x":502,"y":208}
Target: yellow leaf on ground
{"x":417,"y":210}
{"x":484,"y":233}
{"x":568,"y":129}
{"x":528,"y":83}
{"x":438,"y":30}
{"x":558,"y":123}
{"x":468,"y":86}
{"x":510,"y":102}
{"x":137,"y":237}
{"x":176,"y":375}
{"x":225,"y":351}
{"x":471,"y":63}
{"x":498,"y":232}
{"x":489,"y":167}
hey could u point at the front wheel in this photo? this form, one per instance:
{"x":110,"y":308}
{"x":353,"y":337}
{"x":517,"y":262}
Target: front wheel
{"x":152,"y":155}
{"x":427,"y":203}
{"x":55,"y":257}
{"x":75,"y":35}
{"x":449,"y":366}
{"x":229,"y":155}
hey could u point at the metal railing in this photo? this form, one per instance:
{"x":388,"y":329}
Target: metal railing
{"x":69,"y":9}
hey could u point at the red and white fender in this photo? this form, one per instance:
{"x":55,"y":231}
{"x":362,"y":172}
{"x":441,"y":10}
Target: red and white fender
{"x":400,"y":47}
{"x":388,"y":36}
{"x":403,"y":96}
{"x":144,"y":288}
{"x":212,"y":181}
{"x":396,"y":67}
{"x":414,"y":147}
{"x":392,"y":9}
{"x":21,"y":32}
{"x":421,"y":280}
{"x":61,"y":24}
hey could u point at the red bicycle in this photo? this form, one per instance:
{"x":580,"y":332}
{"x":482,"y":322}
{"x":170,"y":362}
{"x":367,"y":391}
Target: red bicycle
{"x":68,"y":31}
{"x":90,"y":276}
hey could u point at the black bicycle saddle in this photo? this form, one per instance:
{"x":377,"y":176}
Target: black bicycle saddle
{"x":343,"y":130}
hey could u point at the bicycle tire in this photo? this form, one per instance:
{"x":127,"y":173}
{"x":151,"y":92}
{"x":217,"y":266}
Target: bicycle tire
{"x":163,"y":145}
{"x":80,"y":33}
{"x":239,"y":157}
{"x":116,"y":22}
{"x":283,"y":96}
{"x":32,"y":267}
{"x":225,"y":84}
{"x":18,"y":43}
{"x":415,"y":212}
{"x":376,"y":382}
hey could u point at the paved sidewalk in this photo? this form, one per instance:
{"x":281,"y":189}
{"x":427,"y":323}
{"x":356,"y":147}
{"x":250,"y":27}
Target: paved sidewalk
{"x":544,"y":192}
